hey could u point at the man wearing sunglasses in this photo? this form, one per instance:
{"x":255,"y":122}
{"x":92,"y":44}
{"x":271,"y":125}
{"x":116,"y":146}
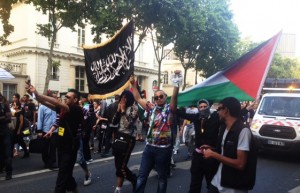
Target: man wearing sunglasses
{"x":235,"y":152}
{"x":70,"y":123}
{"x":158,"y":149}
{"x":206,"y":126}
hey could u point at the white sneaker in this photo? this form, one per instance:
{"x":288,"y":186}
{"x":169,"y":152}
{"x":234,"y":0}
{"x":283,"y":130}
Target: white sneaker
{"x":88,"y":180}
{"x":117,"y":191}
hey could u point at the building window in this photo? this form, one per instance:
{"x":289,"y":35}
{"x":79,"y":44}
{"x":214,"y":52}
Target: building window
{"x":167,"y":57}
{"x":165,"y":77}
{"x":140,"y":80}
{"x":80,"y":37}
{"x":9,"y":90}
{"x":141,"y":52}
{"x":170,"y":55}
{"x":55,"y":73}
{"x":79,"y":78}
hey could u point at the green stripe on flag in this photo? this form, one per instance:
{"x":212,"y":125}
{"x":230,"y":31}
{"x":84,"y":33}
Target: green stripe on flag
{"x":212,"y":93}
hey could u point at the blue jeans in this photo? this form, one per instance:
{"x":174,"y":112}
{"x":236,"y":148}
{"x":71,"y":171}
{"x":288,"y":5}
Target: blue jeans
{"x":160,"y":159}
{"x":80,"y":156}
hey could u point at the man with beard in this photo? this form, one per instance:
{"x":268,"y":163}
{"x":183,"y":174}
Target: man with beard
{"x":158,"y":149}
{"x":70,"y":126}
{"x":206,"y":127}
{"x":235,"y":151}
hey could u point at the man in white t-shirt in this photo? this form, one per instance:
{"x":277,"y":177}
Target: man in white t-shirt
{"x":235,"y":152}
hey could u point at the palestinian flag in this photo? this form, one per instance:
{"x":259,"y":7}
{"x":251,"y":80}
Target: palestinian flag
{"x":243,"y":79}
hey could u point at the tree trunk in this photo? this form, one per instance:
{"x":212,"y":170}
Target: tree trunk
{"x":159,"y":73}
{"x":49,"y":66}
{"x":196,"y":76}
{"x":184,"y":78}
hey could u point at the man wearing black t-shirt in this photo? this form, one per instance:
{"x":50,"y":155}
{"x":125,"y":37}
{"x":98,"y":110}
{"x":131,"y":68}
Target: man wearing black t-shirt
{"x":29,"y":109}
{"x":69,"y":127}
{"x":206,"y":126}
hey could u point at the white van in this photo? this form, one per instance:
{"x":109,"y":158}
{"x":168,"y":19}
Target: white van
{"x":276,"y":123}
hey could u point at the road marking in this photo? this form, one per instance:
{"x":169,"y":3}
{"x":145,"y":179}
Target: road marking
{"x":48,"y":170}
{"x":295,"y":190}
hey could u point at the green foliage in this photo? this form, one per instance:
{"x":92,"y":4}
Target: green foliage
{"x":296,"y":70}
{"x":283,"y":67}
{"x":44,"y":30}
{"x":244,"y":46}
{"x":220,"y":37}
{"x":107,"y":16}
{"x":202,"y":31}
{"x":207,"y":39}
{"x":161,"y":19}
{"x":56,"y":63}
{"x":61,"y":13}
{"x":5,"y":9}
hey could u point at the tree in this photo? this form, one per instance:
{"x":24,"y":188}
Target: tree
{"x":296,"y":70}
{"x":187,"y":46}
{"x":159,"y":18}
{"x":5,"y":9}
{"x":244,"y":46}
{"x":169,"y":19}
{"x":201,"y":30}
{"x":207,"y":43}
{"x":283,"y":67}
{"x":62,"y":13}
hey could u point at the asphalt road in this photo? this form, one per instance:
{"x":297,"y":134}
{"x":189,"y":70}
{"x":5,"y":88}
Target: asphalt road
{"x":276,"y":173}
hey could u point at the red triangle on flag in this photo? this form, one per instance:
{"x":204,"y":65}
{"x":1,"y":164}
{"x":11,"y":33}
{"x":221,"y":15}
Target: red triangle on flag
{"x":250,"y":71}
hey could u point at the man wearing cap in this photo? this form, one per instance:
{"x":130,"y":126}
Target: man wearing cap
{"x":206,"y":125}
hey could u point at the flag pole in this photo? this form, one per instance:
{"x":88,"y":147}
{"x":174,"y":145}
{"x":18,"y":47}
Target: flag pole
{"x":276,"y":38}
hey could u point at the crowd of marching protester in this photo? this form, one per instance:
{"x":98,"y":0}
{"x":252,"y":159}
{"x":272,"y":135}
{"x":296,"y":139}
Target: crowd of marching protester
{"x":71,"y":126}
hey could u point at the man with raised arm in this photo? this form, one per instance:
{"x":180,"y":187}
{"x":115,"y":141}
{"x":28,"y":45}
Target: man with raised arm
{"x":158,"y":149}
{"x":69,"y":127}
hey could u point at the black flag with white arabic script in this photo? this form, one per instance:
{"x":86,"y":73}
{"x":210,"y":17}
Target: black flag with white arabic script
{"x":109,"y":65}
